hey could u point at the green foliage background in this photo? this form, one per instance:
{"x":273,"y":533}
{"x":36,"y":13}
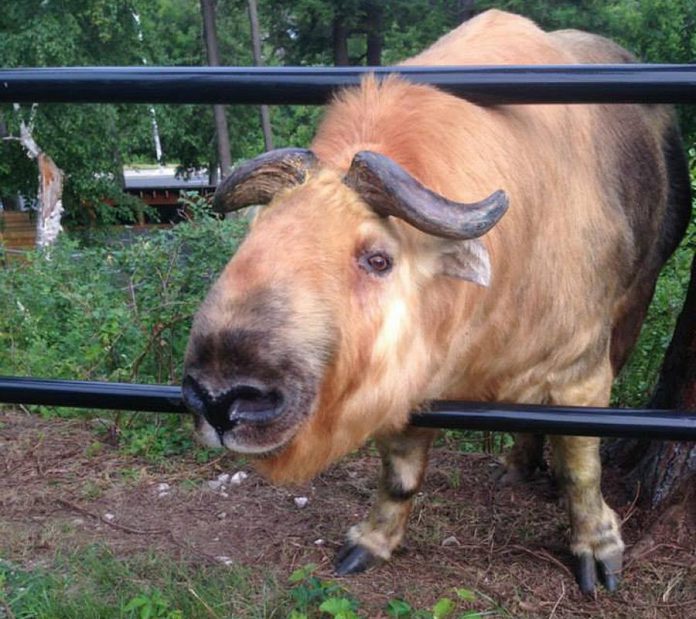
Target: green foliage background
{"x":117,"y":310}
{"x":104,"y":32}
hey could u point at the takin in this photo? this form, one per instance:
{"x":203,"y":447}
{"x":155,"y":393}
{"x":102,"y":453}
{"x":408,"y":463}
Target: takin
{"x":425,"y":248}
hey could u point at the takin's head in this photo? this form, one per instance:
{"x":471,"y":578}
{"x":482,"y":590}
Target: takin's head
{"x":322,"y":330}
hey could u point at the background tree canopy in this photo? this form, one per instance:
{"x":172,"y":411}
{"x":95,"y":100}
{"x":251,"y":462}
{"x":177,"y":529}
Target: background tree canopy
{"x":92,"y":142}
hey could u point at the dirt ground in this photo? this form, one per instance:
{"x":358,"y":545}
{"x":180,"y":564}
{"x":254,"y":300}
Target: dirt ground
{"x":60,"y":491}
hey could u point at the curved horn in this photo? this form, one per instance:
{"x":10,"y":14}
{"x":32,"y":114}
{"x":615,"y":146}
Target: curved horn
{"x":389,"y":190}
{"x":257,"y":181}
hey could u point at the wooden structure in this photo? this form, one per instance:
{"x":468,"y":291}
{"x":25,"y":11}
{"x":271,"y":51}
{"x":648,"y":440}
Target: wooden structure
{"x":17,"y":230}
{"x":159,"y":191}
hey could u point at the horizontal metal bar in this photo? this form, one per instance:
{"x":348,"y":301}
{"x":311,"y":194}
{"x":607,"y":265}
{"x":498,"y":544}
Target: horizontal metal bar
{"x":633,"y":83}
{"x":91,"y":394}
{"x":569,"y":420}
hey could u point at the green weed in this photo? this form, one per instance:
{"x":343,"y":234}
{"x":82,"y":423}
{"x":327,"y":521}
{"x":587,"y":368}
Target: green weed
{"x":95,"y":584}
{"x":310,"y":594}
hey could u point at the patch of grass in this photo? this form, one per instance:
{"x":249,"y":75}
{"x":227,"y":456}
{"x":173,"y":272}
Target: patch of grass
{"x":310,"y":594}
{"x":463,"y":604}
{"x":95,"y":584}
{"x":92,"y":490}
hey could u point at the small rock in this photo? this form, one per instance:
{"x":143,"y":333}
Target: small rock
{"x":163,"y":487}
{"x":222,"y":515}
{"x":225,"y":560}
{"x":223,"y":478}
{"x":109,"y":517}
{"x":238,"y":478}
{"x":214,"y":484}
{"x":319,"y":542}
{"x":301,"y":501}
{"x":451,"y":541}
{"x":161,"y":495}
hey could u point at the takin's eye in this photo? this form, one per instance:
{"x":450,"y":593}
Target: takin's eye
{"x":376,"y":262}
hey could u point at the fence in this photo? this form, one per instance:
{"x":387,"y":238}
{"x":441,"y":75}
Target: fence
{"x":637,"y":83}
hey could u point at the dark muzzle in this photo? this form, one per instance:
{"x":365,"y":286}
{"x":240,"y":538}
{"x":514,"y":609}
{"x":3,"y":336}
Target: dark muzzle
{"x":241,"y":403}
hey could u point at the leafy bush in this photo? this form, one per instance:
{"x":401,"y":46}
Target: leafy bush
{"x":117,"y":311}
{"x":120,"y":311}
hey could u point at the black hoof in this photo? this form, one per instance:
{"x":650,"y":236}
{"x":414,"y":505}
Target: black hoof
{"x":353,"y":559}
{"x":588,"y":569}
{"x":609,"y":571}
{"x":586,"y":573}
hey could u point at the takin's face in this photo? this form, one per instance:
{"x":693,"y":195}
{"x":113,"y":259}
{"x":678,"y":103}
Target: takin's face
{"x":309,"y":343}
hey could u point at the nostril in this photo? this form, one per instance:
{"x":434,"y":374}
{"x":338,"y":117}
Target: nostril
{"x":253,"y":404}
{"x":194,"y":396}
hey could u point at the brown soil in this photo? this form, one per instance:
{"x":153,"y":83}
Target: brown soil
{"x":57,"y":491}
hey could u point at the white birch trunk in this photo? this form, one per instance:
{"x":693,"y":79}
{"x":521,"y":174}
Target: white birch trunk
{"x":48,"y":225}
{"x":50,"y":194}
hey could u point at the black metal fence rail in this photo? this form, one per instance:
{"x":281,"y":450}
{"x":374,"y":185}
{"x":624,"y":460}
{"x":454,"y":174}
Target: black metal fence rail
{"x":634,"y":83}
{"x":569,"y":420}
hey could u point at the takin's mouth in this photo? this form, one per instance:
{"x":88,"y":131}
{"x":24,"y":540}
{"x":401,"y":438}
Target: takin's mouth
{"x":245,"y":437}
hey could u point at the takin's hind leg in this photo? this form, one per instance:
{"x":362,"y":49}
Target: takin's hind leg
{"x":595,"y":528}
{"x":404,"y":459}
{"x":523,"y":459}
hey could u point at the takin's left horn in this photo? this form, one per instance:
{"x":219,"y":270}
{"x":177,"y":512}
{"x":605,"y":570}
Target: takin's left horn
{"x":390,"y":190}
{"x":256,"y":181}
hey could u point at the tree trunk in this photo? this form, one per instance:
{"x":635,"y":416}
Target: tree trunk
{"x":373,"y":27}
{"x":159,"y":156}
{"x":119,"y":172}
{"x":50,"y":194}
{"x":50,"y":201}
{"x":340,"y":42}
{"x":211,"y":46}
{"x":258,"y":61}
{"x":668,"y":469}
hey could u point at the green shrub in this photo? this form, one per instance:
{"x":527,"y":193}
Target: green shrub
{"x":117,"y":311}
{"x":120,"y":311}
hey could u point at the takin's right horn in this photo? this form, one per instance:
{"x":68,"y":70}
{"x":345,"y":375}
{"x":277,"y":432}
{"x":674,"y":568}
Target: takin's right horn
{"x":256,"y":181}
{"x":390,"y":190}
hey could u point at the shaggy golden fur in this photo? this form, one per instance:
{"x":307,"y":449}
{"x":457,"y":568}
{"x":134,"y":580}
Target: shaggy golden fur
{"x":599,"y":197}
{"x":565,"y":259}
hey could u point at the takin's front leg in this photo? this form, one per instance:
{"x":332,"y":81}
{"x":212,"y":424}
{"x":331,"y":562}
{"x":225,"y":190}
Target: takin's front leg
{"x":595,"y":529}
{"x":404,"y":459}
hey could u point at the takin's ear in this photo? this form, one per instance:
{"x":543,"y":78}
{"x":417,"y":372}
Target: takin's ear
{"x":467,"y":260}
